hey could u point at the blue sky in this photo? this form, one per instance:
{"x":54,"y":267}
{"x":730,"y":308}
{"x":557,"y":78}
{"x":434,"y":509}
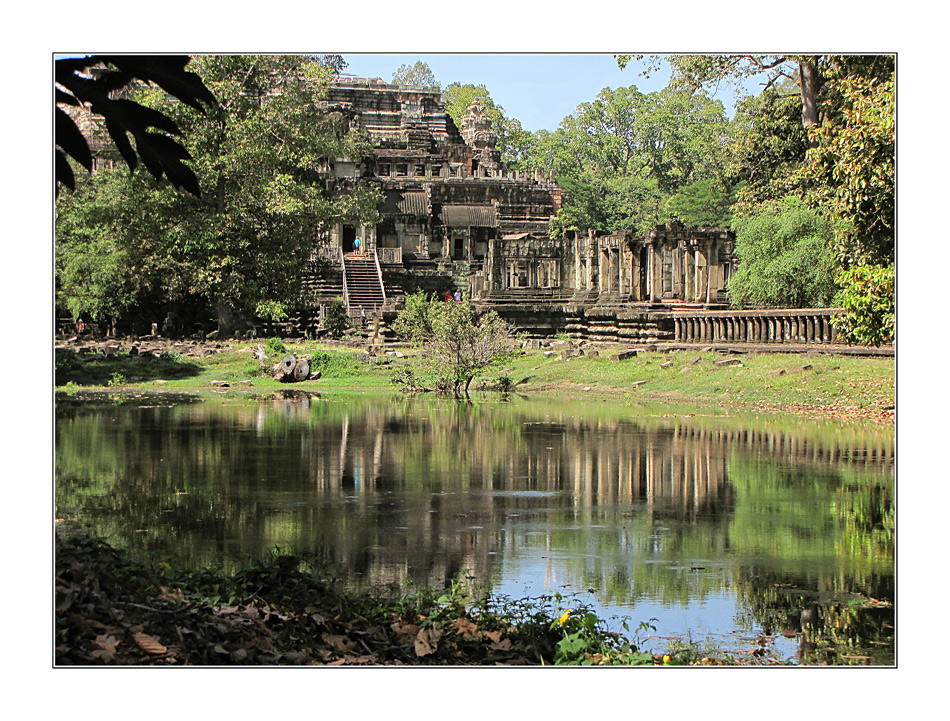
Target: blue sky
{"x":538,"y":89}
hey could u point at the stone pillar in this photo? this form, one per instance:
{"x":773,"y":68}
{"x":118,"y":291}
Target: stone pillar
{"x":651,"y":280}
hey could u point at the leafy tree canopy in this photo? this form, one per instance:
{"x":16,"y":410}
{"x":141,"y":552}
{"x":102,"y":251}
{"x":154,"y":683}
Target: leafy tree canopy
{"x":704,"y":203}
{"x":622,"y":156}
{"x":418,"y":75}
{"x":785,"y":257}
{"x":258,"y":156}
{"x":513,"y":140}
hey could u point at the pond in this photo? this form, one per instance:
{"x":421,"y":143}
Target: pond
{"x":768,"y":536}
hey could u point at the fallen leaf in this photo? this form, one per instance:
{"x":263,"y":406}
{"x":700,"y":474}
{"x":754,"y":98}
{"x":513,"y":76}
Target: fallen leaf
{"x":405,"y":631}
{"x":494,"y":636}
{"x":427,"y":641}
{"x":149,"y":644}
{"x":338,"y":643}
{"x":103,"y":655}
{"x":465,"y":628}
{"x":107,"y":643}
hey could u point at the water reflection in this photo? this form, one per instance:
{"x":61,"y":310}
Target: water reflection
{"x":748,"y":524}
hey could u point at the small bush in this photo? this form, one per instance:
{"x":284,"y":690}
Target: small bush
{"x":336,"y":320}
{"x":407,"y":381}
{"x":275,"y":347}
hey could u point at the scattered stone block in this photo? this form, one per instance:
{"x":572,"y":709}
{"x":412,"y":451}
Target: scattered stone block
{"x":624,"y":354}
{"x":666,"y":365}
{"x":593,"y":354}
{"x":637,"y":384}
{"x":779,"y":372}
{"x":220,"y":384}
{"x":727,"y":362}
{"x":549,"y":353}
{"x":696,"y":360}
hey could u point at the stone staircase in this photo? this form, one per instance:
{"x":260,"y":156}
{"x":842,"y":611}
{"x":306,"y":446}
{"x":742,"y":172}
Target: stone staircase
{"x":362,"y":286}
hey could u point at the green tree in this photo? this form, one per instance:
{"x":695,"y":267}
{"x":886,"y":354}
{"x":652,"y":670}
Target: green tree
{"x":704,"y":203}
{"x":853,"y":164}
{"x":414,"y":322}
{"x":785,"y":257}
{"x":464,"y":343}
{"x":513,"y":140}
{"x":768,"y":146}
{"x":337,"y":320}
{"x":709,"y":71}
{"x":868,"y":300}
{"x":243,"y":245}
{"x":459,"y":341}
{"x":418,"y":75}
{"x":622,"y":156}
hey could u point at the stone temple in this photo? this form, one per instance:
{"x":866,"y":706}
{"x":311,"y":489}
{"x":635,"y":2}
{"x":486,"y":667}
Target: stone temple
{"x":454,"y":218}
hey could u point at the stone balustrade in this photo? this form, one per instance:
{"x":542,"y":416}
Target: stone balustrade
{"x":389,"y":256}
{"x":790,"y":325}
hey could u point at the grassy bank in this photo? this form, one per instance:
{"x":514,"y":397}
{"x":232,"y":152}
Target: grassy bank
{"x":807,"y":384}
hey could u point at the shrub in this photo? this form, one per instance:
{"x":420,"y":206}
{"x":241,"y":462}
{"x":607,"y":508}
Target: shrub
{"x":275,"y":347}
{"x":868,"y":300}
{"x":407,"y":381}
{"x":336,"y":320}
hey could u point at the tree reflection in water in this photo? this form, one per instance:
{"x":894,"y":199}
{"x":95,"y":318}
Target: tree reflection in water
{"x":792,"y":520}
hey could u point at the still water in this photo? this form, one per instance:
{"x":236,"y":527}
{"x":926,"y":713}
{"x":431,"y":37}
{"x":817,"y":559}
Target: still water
{"x":743,"y":532}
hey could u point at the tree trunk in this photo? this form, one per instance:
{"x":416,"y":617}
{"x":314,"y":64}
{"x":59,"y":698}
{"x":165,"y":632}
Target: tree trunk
{"x":809,"y":81}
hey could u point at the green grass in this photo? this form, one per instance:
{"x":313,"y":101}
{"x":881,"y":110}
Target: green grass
{"x":832,"y":383}
{"x":842,"y":381}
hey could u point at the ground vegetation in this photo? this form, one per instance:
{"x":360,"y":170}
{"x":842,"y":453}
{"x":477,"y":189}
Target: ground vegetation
{"x":815,"y":384}
{"x":286,"y":611}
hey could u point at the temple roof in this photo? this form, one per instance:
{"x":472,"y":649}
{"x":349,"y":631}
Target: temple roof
{"x":465,"y":216}
{"x":404,"y":202}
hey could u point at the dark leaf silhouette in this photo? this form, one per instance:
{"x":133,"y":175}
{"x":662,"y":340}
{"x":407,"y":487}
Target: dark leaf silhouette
{"x":160,"y":153}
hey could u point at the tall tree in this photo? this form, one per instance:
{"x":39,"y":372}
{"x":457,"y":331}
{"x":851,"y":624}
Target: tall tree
{"x":631,"y":151}
{"x":244,"y":243}
{"x":767,"y":149}
{"x":853,"y":165}
{"x":513,"y":140}
{"x":418,"y":75}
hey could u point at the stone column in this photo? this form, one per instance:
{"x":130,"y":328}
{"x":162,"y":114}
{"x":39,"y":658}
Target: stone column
{"x":651,"y":280}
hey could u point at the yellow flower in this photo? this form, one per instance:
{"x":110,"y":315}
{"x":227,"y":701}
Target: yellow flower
{"x":563,"y":619}
{"x":666,"y":659}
